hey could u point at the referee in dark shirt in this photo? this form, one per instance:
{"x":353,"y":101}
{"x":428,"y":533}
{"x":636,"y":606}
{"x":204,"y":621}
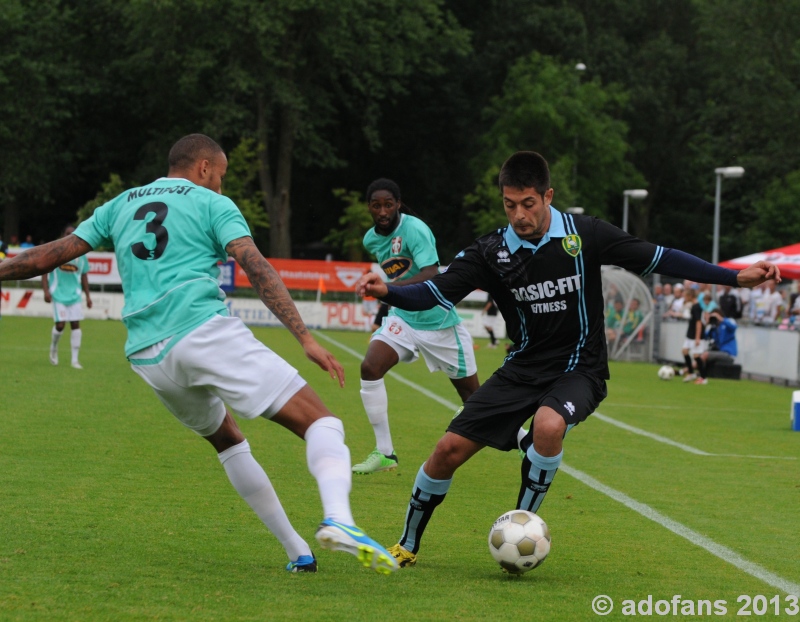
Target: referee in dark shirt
{"x":543,"y":271}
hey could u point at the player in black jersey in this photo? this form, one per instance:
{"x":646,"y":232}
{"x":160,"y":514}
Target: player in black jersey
{"x":543,"y":271}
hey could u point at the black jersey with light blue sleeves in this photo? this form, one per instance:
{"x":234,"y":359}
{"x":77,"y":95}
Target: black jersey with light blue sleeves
{"x":550,"y":293}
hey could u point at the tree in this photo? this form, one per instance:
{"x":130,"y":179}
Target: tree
{"x":545,"y":107}
{"x":749,"y":117}
{"x":283,"y":72}
{"x":241,"y":185}
{"x":40,"y":82}
{"x":353,"y":224}
{"x":776,"y":220}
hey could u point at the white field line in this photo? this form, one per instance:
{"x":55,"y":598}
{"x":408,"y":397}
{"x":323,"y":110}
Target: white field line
{"x":718,"y":550}
{"x":669,"y":441}
{"x":717,"y":407}
{"x":722,"y":552}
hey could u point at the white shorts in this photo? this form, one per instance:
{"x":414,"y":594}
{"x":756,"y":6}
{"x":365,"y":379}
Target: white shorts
{"x":67,"y":313}
{"x":218,"y":363}
{"x":695,"y":349}
{"x":489,"y":322}
{"x":447,"y":349}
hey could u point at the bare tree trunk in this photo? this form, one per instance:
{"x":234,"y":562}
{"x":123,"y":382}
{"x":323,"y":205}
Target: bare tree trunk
{"x":280,"y":213}
{"x":10,"y":220}
{"x":264,"y":168}
{"x":640,"y":219}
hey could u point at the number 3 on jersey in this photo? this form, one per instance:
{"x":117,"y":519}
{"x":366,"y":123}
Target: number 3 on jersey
{"x":154,"y":226}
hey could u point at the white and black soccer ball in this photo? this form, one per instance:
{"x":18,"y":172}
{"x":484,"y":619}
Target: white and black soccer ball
{"x":666,"y":372}
{"x":519,"y":541}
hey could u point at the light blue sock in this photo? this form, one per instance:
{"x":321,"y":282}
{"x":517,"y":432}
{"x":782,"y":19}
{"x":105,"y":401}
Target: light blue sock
{"x":427,"y":494}
{"x":537,"y":474}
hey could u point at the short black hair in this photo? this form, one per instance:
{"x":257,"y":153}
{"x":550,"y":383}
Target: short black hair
{"x":190,"y":149}
{"x":383,"y":184}
{"x":525,"y":169}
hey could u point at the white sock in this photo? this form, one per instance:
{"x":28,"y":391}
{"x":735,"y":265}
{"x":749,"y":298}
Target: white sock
{"x":55,"y":337}
{"x":329,"y":462}
{"x":376,"y":403}
{"x":75,"y":343}
{"x":252,"y":483}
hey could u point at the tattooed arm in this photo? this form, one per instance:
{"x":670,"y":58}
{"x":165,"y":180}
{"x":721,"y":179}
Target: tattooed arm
{"x":43,"y":259}
{"x":273,"y":293}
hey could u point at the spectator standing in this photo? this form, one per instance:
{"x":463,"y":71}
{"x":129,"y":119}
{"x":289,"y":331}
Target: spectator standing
{"x":777,"y":304}
{"x":729,"y":302}
{"x":668,"y":297}
{"x":675,"y":309}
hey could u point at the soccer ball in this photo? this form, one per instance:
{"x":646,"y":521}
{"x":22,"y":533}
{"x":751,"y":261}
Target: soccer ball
{"x":519,"y":541}
{"x":666,"y":372}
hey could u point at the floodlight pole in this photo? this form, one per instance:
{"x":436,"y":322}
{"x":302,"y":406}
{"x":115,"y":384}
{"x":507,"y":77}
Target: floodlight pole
{"x":634,"y":194}
{"x":729,"y":172}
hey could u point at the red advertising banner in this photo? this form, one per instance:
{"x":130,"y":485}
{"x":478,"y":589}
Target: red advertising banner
{"x":310,"y":274}
{"x":103,"y":268}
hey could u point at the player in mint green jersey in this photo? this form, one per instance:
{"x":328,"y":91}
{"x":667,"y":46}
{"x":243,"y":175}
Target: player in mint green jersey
{"x":406,"y":251}
{"x":63,"y":287}
{"x":169,"y":237}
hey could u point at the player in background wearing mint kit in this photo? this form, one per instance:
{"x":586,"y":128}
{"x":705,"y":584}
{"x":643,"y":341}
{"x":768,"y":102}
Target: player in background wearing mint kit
{"x":543,"y":271}
{"x":169,"y":237}
{"x":63,"y":287}
{"x":406,"y":251}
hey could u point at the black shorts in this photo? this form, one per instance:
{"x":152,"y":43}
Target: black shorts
{"x":494,"y":413}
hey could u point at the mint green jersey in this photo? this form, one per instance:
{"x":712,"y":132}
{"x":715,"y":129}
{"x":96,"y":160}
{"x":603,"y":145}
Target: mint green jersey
{"x":168,"y":237}
{"x":64,"y":282}
{"x":401,"y":255}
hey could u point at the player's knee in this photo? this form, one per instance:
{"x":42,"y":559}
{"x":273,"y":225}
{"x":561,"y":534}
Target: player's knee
{"x":449,"y":454}
{"x":548,"y":430}
{"x":370,"y":370}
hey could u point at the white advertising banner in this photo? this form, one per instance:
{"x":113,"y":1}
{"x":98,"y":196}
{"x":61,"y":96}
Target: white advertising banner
{"x":30,"y":303}
{"x":335,"y":315}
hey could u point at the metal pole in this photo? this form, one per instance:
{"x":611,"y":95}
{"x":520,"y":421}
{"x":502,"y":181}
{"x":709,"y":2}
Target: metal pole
{"x":717,"y":201}
{"x":715,"y":247}
{"x":625,"y":214}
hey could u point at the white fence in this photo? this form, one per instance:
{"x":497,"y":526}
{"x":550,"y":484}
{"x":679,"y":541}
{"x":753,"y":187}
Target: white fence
{"x":763,"y":352}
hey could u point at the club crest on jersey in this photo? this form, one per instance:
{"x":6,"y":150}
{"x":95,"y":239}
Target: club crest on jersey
{"x":68,"y":267}
{"x":572,"y":244}
{"x":397,"y":245}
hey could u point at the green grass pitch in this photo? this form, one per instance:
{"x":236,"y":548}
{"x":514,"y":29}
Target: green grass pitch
{"x":110,"y":510}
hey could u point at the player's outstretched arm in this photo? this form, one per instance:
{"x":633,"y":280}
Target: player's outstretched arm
{"x":758,"y":273}
{"x":273,"y":293}
{"x":43,"y":259}
{"x":371,"y":284}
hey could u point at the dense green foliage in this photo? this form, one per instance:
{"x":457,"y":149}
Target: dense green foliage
{"x":432,"y":93}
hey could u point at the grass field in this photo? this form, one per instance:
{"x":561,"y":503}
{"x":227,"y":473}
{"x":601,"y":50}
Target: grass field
{"x":110,"y":510}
